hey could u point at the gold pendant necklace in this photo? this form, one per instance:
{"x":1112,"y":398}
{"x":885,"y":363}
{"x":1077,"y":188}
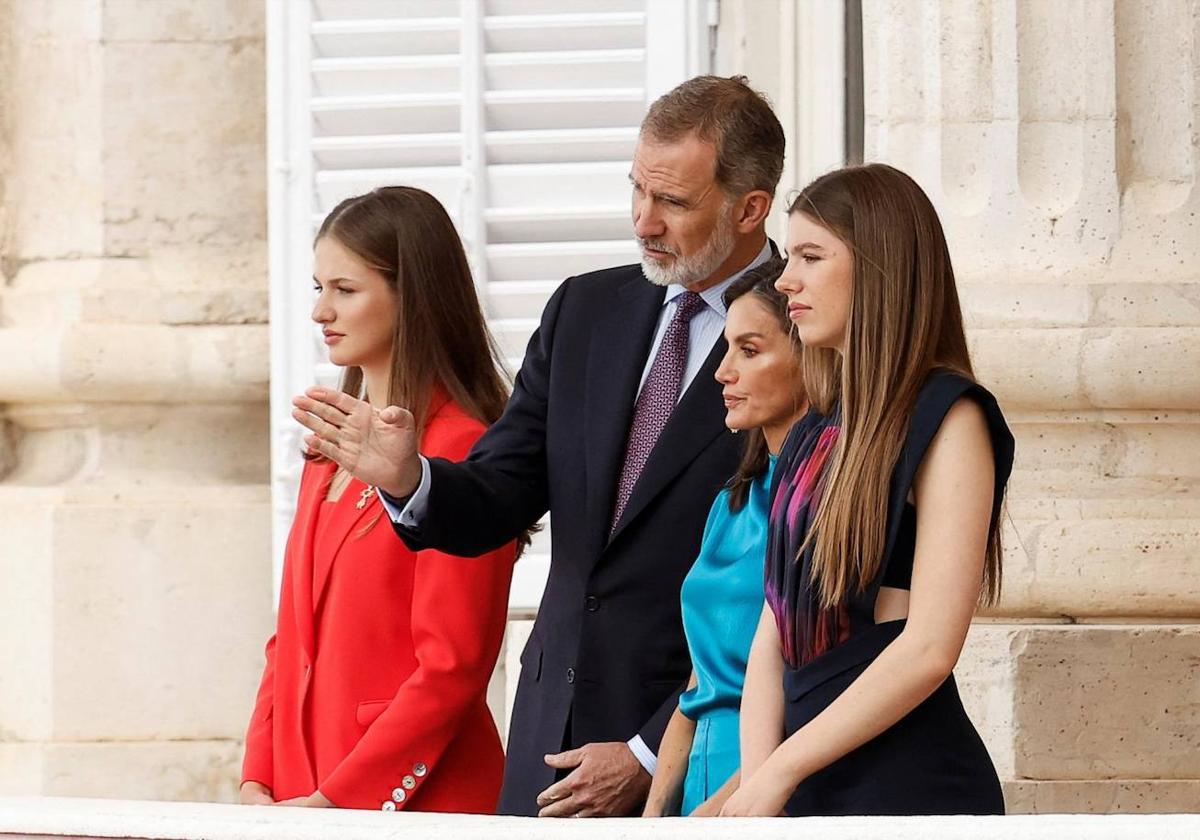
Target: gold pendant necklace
{"x":365,"y":497}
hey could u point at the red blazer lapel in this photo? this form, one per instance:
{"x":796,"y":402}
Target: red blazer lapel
{"x":346,"y":518}
{"x":301,"y":548}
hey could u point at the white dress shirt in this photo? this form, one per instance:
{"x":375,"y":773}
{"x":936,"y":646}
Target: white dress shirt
{"x":704,"y":329}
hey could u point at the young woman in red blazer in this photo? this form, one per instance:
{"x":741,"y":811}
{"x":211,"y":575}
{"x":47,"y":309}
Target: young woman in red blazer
{"x":374,"y":691}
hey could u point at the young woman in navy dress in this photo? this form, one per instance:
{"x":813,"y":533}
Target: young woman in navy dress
{"x":884,"y":529}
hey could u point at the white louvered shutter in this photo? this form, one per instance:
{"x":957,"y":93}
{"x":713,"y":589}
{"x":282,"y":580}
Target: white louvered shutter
{"x":519,"y":115}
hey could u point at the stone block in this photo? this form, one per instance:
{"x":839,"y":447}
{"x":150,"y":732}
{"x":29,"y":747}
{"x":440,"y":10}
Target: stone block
{"x":57,"y":179}
{"x":1007,"y":304}
{"x":150,"y":616}
{"x":135,"y":363}
{"x":1153,"y":368}
{"x":169,"y":609}
{"x":146,"y":445}
{"x":204,"y":771}
{"x":26,"y":619}
{"x":1147,"y":368}
{"x":182,"y":20}
{"x":1107,"y":702}
{"x":984,"y":675}
{"x":156,"y":116}
{"x":195,"y":287}
{"x":1102,"y":567}
{"x":1146,"y":304}
{"x":1110,"y":796}
{"x":1079,"y":703}
{"x":1044,"y":374}
{"x":1099,"y":450}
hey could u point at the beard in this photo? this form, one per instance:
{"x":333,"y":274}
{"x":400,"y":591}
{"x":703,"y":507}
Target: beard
{"x":699,"y":266}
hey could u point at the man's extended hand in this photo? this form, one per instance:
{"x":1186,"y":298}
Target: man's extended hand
{"x":376,"y":446}
{"x":608,"y":781}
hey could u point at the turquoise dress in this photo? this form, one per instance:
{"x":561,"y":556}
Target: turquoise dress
{"x":722,"y":599}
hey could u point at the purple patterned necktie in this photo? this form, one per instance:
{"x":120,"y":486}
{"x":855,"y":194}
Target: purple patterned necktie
{"x":658,"y":397}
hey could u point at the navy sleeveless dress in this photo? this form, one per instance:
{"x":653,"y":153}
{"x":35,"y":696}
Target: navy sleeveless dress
{"x":932,"y":761}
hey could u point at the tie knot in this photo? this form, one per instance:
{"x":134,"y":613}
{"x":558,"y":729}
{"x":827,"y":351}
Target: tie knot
{"x":687,"y":306}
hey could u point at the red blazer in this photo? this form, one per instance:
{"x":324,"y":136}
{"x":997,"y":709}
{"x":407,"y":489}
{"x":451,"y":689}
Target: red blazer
{"x":375,"y":686}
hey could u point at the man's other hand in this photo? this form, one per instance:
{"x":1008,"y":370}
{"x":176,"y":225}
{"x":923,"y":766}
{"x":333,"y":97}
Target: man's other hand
{"x":607,"y":781}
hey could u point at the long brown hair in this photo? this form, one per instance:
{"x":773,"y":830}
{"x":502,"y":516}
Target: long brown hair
{"x":441,"y":336}
{"x":760,"y":283}
{"x":904,"y":321}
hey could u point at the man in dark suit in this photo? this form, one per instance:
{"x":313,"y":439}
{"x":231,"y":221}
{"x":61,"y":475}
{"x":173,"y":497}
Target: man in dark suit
{"x":616,"y":427}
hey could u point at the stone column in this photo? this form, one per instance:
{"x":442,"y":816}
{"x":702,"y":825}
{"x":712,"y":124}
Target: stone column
{"x":1059,"y":143}
{"x":135,"y":570}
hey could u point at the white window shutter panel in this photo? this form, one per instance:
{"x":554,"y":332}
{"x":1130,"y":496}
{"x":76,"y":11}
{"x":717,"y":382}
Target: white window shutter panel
{"x":520,"y":116}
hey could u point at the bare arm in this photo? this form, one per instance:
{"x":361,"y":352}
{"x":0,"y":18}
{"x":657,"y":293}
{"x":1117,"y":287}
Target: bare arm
{"x":762,"y":695}
{"x":712,"y":806}
{"x":953,"y":489}
{"x":667,"y":787}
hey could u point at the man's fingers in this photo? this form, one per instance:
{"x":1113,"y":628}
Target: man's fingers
{"x":338,"y":399}
{"x":324,"y":447}
{"x":562,"y":808}
{"x":326,"y":412}
{"x":565,"y":760}
{"x":326,"y":431}
{"x":556,"y":792}
{"x":394,"y":415}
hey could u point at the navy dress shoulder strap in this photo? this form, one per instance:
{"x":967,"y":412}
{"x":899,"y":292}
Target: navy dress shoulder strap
{"x":942,"y":388}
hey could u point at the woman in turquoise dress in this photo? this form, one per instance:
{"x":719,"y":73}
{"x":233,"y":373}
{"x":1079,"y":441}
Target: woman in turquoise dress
{"x":722,"y":596}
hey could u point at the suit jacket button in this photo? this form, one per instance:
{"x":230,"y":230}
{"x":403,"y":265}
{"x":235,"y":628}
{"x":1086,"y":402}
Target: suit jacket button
{"x":398,"y":795}
{"x":388,"y":806}
{"x":570,"y":675}
{"x":591,"y":603}
{"x":419,"y":769}
{"x":408,"y":783}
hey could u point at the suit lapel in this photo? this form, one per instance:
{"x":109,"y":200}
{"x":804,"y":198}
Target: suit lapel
{"x":698,"y":418}
{"x":346,"y":517}
{"x":301,"y":545}
{"x":617,"y":354}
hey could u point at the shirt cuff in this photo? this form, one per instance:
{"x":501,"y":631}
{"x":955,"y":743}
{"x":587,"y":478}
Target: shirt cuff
{"x":643,"y":754}
{"x":411,"y":513}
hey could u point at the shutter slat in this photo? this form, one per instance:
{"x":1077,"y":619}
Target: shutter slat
{"x":444,"y":182}
{"x":388,"y":151}
{"x":556,"y":260}
{"x":548,"y":69}
{"x":387,"y":37}
{"x":557,"y":224}
{"x":385,"y":75}
{"x":562,"y":145}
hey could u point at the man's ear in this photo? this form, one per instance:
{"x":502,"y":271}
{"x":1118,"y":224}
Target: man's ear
{"x":751,"y":210}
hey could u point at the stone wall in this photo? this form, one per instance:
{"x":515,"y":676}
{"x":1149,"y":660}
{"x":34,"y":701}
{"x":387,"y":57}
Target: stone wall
{"x":135,"y":559}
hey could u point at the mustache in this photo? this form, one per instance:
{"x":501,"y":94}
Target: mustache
{"x":656,"y":245}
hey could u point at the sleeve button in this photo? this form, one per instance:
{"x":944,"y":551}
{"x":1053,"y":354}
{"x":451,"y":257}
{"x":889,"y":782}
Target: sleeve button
{"x":408,"y":783}
{"x":388,"y":806}
{"x":419,"y":770}
{"x":398,"y":795}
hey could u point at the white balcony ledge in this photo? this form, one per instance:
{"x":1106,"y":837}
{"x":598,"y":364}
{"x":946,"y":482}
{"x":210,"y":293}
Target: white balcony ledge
{"x":109,"y":818}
